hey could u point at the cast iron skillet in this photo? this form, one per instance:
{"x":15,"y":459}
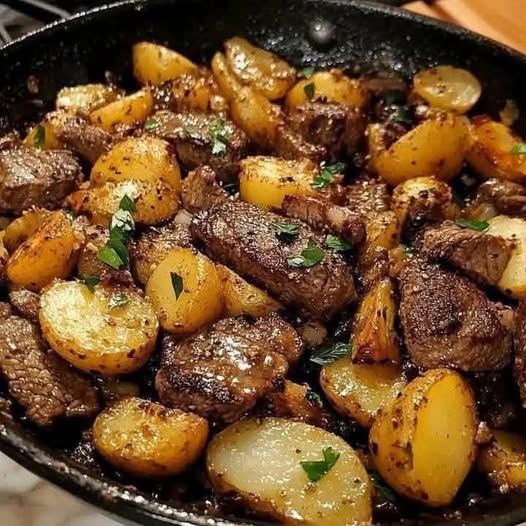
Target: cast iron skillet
{"x":89,"y":45}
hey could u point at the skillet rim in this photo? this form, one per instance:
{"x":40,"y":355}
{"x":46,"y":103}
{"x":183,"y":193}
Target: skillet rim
{"x":107,"y":496}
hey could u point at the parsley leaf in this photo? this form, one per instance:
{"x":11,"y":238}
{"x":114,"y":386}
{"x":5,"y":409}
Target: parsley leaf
{"x":90,"y":282}
{"x":286,"y":232}
{"x":309,"y":257}
{"x":309,"y":90}
{"x":118,"y":300}
{"x":401,"y":115}
{"x":381,"y":488}
{"x":307,"y":72}
{"x":327,"y":355}
{"x":40,"y":136}
{"x":392,"y":97}
{"x":218,"y":137}
{"x":316,"y":469}
{"x":127,"y":204}
{"x":337,"y":243}
{"x":519,"y":149}
{"x":313,"y":398}
{"x":472,"y":224}
{"x":326,"y":175}
{"x":177,"y":284}
{"x":151,"y":124}
{"x":109,"y":256}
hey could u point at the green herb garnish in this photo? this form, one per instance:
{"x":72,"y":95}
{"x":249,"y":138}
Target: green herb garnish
{"x":286,"y":232}
{"x":385,"y":491}
{"x":218,"y":137}
{"x":337,"y":243}
{"x":90,"y":282}
{"x":309,"y":90}
{"x":316,"y":469}
{"x":519,"y":149}
{"x":472,"y":224}
{"x":326,"y":175}
{"x":392,"y":97}
{"x":401,"y":115}
{"x":313,"y":398}
{"x":118,"y":300}
{"x":177,"y":284}
{"x":309,"y":257}
{"x":151,"y":124}
{"x":327,"y":355}
{"x":127,"y":204}
{"x":110,"y":256}
{"x":40,"y":136}
{"x":307,"y":72}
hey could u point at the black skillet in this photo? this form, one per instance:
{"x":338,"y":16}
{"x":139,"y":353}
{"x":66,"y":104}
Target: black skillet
{"x":88,"y":46}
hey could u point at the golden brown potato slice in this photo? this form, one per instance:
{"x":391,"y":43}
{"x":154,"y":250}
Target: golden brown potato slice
{"x":85,"y":98}
{"x":361,"y":390}
{"x":147,"y":439}
{"x":260,"y":460}
{"x":228,"y":83}
{"x":112,"y":330}
{"x":195,"y":90}
{"x":423,"y":444}
{"x":22,"y":227}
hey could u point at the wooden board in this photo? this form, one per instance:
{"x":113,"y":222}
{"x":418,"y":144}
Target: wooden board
{"x":502,"y":20}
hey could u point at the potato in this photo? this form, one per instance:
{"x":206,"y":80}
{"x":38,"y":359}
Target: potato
{"x":241,"y":297}
{"x":143,"y":158}
{"x":329,"y":86}
{"x":154,"y":202}
{"x":147,"y":439}
{"x":423,"y":444}
{"x":112,"y":330}
{"x":383,"y":230}
{"x":265,"y":181}
{"x":153,"y":64}
{"x":86,"y":98}
{"x":448,"y":88}
{"x":43,"y":136}
{"x":259,"y":460}
{"x":130,"y":110}
{"x":374,"y":336}
{"x":259,"y":68}
{"x":22,"y":227}
{"x":228,"y":84}
{"x":491,"y":151}
{"x":503,"y":460}
{"x":436,"y":147}
{"x":513,"y":280}
{"x":195,"y":90}
{"x":361,"y":390}
{"x":256,"y":116}
{"x":50,"y":252}
{"x":200,"y":299}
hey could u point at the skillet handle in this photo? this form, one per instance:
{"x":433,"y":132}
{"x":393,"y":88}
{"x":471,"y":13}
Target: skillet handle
{"x":43,"y":11}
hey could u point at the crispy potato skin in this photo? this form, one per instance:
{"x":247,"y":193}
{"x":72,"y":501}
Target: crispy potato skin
{"x":90,"y":332}
{"x":22,"y":227}
{"x":229,"y":85}
{"x":200,"y":302}
{"x":259,"y":460}
{"x":149,"y":440}
{"x":86,"y":98}
{"x":423,"y":444}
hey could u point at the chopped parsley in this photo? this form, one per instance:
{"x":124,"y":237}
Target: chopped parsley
{"x":127,"y":204}
{"x":519,"y":149}
{"x":177,"y":284}
{"x":309,"y":90}
{"x":218,"y":137}
{"x":313,"y":398}
{"x":472,"y":224}
{"x":40,"y":136}
{"x":286,"y":232}
{"x":326,"y":175}
{"x":381,"y":488}
{"x":307,"y":72}
{"x":328,"y":355}
{"x":151,"y":124}
{"x":309,"y":257}
{"x":90,"y":282}
{"x":392,"y":97}
{"x":118,"y":300}
{"x":337,"y":243}
{"x":316,"y":469}
{"x":401,"y":115}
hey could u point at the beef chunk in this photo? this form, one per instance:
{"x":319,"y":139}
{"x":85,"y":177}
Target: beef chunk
{"x":481,"y":256}
{"x":497,"y":196}
{"x":322,"y":215}
{"x":382,"y":84}
{"x":520,"y":350}
{"x":221,"y":372}
{"x":449,"y":322}
{"x":26,"y":303}
{"x":243,"y":237}
{"x":201,"y":190}
{"x":290,"y":144}
{"x":202,"y":138}
{"x":33,"y":177}
{"x":38,"y":379}
{"x":368,"y":197}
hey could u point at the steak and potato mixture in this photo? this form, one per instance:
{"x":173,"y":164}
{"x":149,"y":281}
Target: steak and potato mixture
{"x":303,"y":291}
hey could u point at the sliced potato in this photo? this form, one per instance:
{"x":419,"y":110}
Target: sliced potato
{"x":503,"y":460}
{"x":513,"y":280}
{"x":228,"y":84}
{"x":130,"y":110}
{"x":111,"y":330}
{"x":265,"y":181}
{"x":147,"y":439}
{"x":242,"y":298}
{"x":23,"y":227}
{"x":329,"y":86}
{"x":448,"y":88}
{"x":423,"y":444}
{"x":259,"y":460}
{"x":50,"y":252}
{"x":143,"y":158}
{"x":491,"y":153}
{"x":200,"y":298}
{"x":85,"y":98}
{"x":153,"y":64}
{"x":361,"y":390}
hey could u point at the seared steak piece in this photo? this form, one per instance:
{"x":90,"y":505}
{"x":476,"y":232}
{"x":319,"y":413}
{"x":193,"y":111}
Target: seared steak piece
{"x":368,"y":197}
{"x":324,"y":216}
{"x":33,"y":177}
{"x":201,"y":190}
{"x":221,"y":372}
{"x":496,"y":196}
{"x":382,"y":84}
{"x":45,"y":385}
{"x":244,"y":238}
{"x":290,"y":144}
{"x":481,"y":256}
{"x":201,"y":138}
{"x":26,"y":304}
{"x":520,"y":350}
{"x":448,"y":321}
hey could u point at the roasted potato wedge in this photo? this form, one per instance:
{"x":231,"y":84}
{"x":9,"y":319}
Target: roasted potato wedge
{"x":259,"y":460}
{"x":23,"y":227}
{"x":147,"y":439}
{"x":361,"y":391}
{"x":85,"y":98}
{"x":228,"y":83}
{"x":154,"y":64}
{"x":491,"y":153}
{"x":265,"y":181}
{"x":143,"y":158}
{"x":186,"y":291}
{"x":423,"y":444}
{"x":195,"y":90}
{"x":50,"y":252}
{"x":112,"y":330}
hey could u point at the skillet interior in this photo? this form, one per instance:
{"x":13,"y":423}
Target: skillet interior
{"x":85,"y":48}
